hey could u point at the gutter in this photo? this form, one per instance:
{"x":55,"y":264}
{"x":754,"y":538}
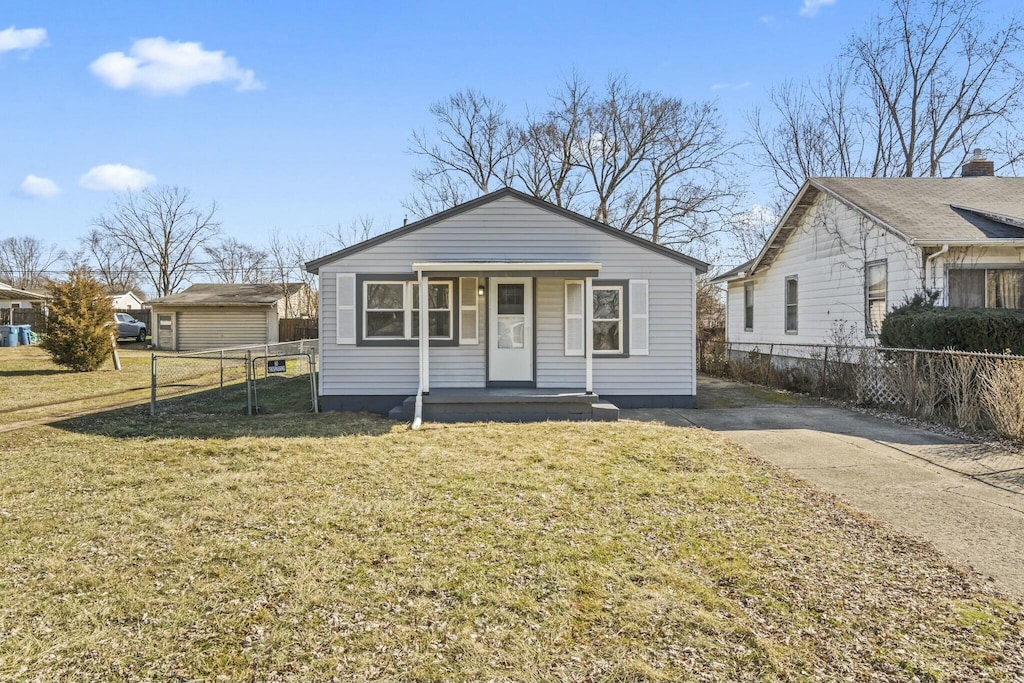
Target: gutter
{"x":928,"y":262}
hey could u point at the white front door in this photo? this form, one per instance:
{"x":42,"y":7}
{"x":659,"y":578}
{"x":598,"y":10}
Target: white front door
{"x":510,"y":329}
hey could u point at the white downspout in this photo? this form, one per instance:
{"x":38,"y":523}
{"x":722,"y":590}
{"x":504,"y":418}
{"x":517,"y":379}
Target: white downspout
{"x":928,"y":262}
{"x":424,"y":348}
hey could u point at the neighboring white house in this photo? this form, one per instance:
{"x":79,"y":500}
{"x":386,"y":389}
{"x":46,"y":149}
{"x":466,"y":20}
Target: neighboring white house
{"x":126,"y":301}
{"x":211,"y":316}
{"x":14,"y":298}
{"x":849,"y":249}
{"x":506,"y":278}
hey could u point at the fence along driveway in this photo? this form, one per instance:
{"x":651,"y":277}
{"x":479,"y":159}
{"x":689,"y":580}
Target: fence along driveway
{"x":254,"y":379}
{"x":974,"y":392}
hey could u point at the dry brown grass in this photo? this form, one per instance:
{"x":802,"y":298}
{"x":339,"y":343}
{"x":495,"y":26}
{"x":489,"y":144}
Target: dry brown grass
{"x":306,"y":547}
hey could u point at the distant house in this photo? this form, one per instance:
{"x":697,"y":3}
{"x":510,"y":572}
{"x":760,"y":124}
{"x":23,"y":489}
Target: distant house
{"x":211,"y":316}
{"x":126,"y":301}
{"x":849,"y":249}
{"x":12,"y":298}
{"x":534,"y":311}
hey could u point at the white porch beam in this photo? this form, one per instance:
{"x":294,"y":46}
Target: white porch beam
{"x":588,"y":330}
{"x":424,"y":333}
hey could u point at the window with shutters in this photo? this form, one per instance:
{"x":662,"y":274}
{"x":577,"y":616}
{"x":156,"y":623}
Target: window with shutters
{"x":607,"y":320}
{"x":390,"y":311}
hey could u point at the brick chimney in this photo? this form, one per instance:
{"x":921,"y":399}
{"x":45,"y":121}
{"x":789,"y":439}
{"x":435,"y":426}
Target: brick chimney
{"x":978,"y":166}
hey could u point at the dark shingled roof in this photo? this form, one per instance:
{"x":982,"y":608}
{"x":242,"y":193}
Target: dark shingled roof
{"x":229,"y":295}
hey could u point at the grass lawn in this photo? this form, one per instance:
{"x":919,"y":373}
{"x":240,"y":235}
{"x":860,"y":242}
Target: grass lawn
{"x":305,"y":547}
{"x":31,"y":381}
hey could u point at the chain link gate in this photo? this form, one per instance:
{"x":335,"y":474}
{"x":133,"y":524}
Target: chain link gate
{"x":254,"y":379}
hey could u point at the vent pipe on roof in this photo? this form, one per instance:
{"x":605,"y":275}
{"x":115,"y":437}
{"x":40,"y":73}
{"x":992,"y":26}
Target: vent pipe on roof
{"x":978,"y":166}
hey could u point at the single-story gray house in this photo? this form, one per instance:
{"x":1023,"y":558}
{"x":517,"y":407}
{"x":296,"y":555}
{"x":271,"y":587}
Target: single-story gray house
{"x":216,"y":316}
{"x":534,"y":311}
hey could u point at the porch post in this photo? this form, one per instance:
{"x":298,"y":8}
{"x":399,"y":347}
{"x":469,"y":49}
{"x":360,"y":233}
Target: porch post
{"x":424,"y":333}
{"x":588,"y":331}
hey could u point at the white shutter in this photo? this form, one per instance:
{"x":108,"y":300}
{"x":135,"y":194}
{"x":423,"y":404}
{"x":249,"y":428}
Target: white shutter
{"x":345,"y":295}
{"x":469,"y":321}
{"x":639,"y":325}
{"x":574,"y":332}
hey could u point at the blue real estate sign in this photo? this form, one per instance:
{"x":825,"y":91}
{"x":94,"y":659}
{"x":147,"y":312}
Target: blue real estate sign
{"x":279,"y":365}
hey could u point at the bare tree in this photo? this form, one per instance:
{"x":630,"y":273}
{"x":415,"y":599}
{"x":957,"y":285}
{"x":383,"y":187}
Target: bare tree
{"x":638,"y":160}
{"x":910,"y":96}
{"x":473,"y":153}
{"x":358,"y":230}
{"x":287,"y":258}
{"x":232,"y":261}
{"x":27,"y":262}
{"x":165,"y":230}
{"x":110,"y":261}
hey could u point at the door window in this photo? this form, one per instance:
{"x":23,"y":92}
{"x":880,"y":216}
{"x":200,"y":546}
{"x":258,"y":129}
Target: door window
{"x":511,"y":316}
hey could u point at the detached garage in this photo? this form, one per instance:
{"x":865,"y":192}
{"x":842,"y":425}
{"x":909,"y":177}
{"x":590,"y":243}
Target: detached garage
{"x":215,"y":316}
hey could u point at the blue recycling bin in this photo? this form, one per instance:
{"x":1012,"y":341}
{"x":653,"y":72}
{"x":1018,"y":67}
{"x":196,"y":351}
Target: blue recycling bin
{"x":8,"y":335}
{"x":24,"y":334}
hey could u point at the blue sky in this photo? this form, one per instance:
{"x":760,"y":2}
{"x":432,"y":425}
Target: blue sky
{"x":308,"y":122}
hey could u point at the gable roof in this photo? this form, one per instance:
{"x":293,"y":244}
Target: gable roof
{"x":314,"y":265}
{"x":214,"y":294}
{"x":921,"y":211}
{"x":9,"y":293}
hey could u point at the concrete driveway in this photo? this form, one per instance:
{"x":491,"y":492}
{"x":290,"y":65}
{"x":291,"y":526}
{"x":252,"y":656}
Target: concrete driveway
{"x":876,"y":467}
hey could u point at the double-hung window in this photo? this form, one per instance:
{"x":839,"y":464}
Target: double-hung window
{"x":391,"y":310}
{"x":607,"y":320}
{"x":748,"y":306}
{"x":792,"y":309}
{"x":875,"y":281}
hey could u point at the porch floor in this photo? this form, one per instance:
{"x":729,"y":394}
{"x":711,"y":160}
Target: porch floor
{"x":507,"y":404}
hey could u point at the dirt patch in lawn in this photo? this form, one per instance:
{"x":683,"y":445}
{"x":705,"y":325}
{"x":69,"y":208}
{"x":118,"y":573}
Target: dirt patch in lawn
{"x":307,"y":547}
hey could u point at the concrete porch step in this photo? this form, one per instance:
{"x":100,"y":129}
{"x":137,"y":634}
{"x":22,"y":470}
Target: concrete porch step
{"x":507,"y":405}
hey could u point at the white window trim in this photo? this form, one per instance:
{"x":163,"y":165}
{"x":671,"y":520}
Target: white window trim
{"x":869,"y":332}
{"x":408,"y":302}
{"x":748,"y":302}
{"x":594,"y":319}
{"x":787,"y":304}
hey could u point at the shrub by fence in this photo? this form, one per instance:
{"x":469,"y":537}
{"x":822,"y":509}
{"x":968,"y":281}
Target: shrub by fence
{"x":971,"y":391}
{"x":995,"y":330}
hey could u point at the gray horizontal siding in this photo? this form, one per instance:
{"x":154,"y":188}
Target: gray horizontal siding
{"x":508,"y":229}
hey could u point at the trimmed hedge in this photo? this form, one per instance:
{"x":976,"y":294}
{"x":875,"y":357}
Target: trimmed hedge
{"x":921,"y":326}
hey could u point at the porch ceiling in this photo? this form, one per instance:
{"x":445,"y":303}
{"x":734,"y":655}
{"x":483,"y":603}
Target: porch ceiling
{"x":575,"y":269}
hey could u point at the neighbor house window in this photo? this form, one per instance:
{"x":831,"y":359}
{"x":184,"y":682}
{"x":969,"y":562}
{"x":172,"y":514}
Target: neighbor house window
{"x":875,"y":283}
{"x":791,"y":305}
{"x":748,"y":306}
{"x":607,"y":319}
{"x":391,"y":310}
{"x":986,"y":288}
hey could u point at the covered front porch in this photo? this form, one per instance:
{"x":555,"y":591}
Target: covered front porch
{"x":512,"y":390}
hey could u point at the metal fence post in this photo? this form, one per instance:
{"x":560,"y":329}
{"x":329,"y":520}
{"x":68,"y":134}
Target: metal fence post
{"x":913,"y":383}
{"x":222,"y":373}
{"x":152,"y":385}
{"x":248,"y":383}
{"x":824,"y":373}
{"x":768,"y":366}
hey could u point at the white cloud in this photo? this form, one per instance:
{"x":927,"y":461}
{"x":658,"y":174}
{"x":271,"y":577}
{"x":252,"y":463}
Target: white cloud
{"x":34,"y":186}
{"x":21,"y":38}
{"x":162,"y":66}
{"x":810,"y":7}
{"x":731,"y":86}
{"x":743,"y":85}
{"x":116,"y":177}
{"x":719,"y":86}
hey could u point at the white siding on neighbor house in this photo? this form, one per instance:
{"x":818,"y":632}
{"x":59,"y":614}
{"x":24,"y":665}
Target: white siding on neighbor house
{"x":509,"y":229}
{"x":201,"y":328}
{"x":827,"y":253}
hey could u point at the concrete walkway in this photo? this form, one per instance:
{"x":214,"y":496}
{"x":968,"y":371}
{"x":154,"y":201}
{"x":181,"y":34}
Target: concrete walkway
{"x":870,"y":463}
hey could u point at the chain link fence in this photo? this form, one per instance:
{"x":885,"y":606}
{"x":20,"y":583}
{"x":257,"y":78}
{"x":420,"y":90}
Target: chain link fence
{"x":249,"y":380}
{"x":975,"y":392}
